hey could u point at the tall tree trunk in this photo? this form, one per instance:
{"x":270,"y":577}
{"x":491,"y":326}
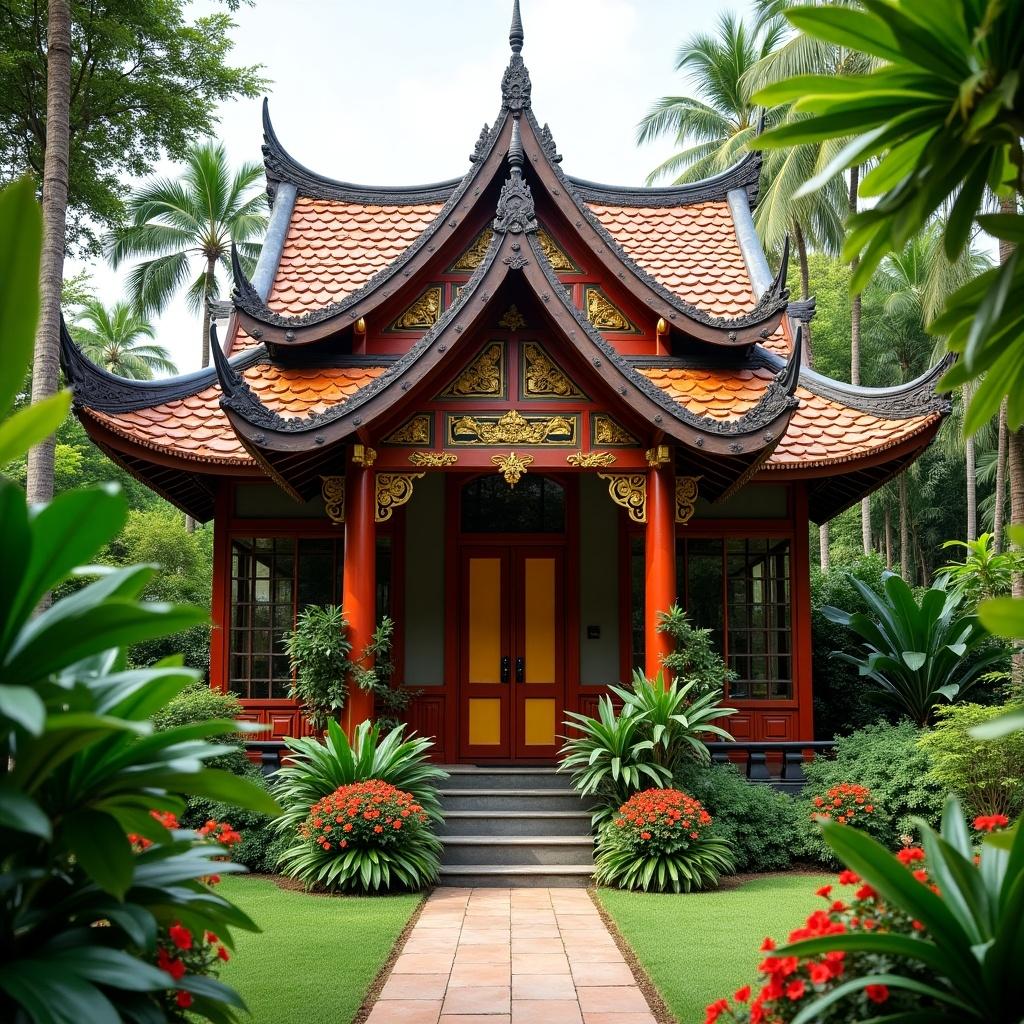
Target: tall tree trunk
{"x":1015,"y":471}
{"x":211,"y":267}
{"x":888,"y":536}
{"x":46,"y":362}
{"x":904,"y":528}
{"x":999,"y":519}
{"x":826,"y":561}
{"x":971,"y":467}
{"x":805,"y":291}
{"x":855,"y":308}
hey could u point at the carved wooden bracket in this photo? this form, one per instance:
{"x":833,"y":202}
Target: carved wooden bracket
{"x":630,"y":491}
{"x":686,"y":497}
{"x":393,"y":490}
{"x":332,"y":488}
{"x":512,"y":466}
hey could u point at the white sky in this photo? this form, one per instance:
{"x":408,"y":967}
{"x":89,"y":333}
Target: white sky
{"x":396,"y":91}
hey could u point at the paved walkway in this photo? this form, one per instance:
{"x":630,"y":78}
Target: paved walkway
{"x":510,"y":956}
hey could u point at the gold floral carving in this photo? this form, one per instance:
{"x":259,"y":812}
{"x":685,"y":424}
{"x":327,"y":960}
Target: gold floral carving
{"x":512,"y":428}
{"x":393,"y":490}
{"x":414,"y":431}
{"x":607,"y":431}
{"x":423,"y":313}
{"x":659,"y":455}
{"x":434,"y":459}
{"x":474,"y":255}
{"x":332,"y":489}
{"x":686,"y":497}
{"x":512,"y":319}
{"x":512,"y":466}
{"x":363,"y":455}
{"x":630,"y":491}
{"x":556,"y":256}
{"x":542,"y":378}
{"x":483,"y":378}
{"x":604,"y":314}
{"x":589,"y":460}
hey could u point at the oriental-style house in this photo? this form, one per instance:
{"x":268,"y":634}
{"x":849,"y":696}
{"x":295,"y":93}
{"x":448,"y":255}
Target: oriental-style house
{"x":521,"y":413}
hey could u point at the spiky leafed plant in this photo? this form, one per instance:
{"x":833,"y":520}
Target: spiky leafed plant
{"x":112,"y":338}
{"x":186,"y":227}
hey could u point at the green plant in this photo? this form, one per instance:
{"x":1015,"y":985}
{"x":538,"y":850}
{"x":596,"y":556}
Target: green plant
{"x":80,"y":763}
{"x":610,"y":758}
{"x":888,"y":760}
{"x":390,"y":702}
{"x":318,"y":649}
{"x":757,"y":822}
{"x":849,"y":803}
{"x":675,"y":717}
{"x":693,"y":658}
{"x":984,"y":572}
{"x":367,"y":837}
{"x":917,"y":654}
{"x":987,"y":776}
{"x":660,"y":839}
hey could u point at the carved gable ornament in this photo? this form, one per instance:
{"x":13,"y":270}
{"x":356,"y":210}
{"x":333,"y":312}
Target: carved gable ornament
{"x":541,"y":377}
{"x":423,"y":313}
{"x":413,"y":433}
{"x":483,"y":378}
{"x":604,"y":314}
{"x":555,"y":254}
{"x":474,"y":255}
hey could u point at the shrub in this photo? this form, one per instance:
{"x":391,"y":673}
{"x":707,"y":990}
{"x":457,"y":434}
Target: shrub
{"x":661,"y":839}
{"x":886,"y":759}
{"x":367,"y":836}
{"x":318,"y":650}
{"x":987,"y":775}
{"x":693,"y":658}
{"x":757,"y":822}
{"x":390,"y":702}
{"x":847,"y":803}
{"x":199,"y":703}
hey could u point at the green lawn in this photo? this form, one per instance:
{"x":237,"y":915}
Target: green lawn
{"x":316,"y":956}
{"x":700,"y":947}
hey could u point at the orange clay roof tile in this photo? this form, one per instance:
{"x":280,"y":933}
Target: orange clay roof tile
{"x":195,"y":428}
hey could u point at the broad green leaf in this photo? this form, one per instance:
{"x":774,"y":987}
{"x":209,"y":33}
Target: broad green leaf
{"x":28,"y":426}
{"x":21,"y":236}
{"x":1003,"y":616}
{"x":17,"y":539}
{"x":853,"y":29}
{"x":914,"y":660}
{"x":101,"y":847}
{"x":1001,"y":725}
{"x":21,"y":813}
{"x":22,"y":705}
{"x":231,"y":789}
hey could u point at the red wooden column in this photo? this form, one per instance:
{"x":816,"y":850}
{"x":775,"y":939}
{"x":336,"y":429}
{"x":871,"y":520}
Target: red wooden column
{"x":359,"y":582}
{"x":660,"y":547}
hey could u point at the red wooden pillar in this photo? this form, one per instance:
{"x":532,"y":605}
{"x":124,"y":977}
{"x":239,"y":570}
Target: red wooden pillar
{"x":660,"y":549}
{"x":359,"y":582}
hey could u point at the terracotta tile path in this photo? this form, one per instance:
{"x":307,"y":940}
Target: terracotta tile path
{"x":510,"y":956}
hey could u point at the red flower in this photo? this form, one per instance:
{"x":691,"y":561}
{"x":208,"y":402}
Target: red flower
{"x":715,"y":1010}
{"x":824,"y":891}
{"x":184,"y":1000}
{"x":795,"y":990}
{"x":222,"y":954}
{"x":180,"y":936}
{"x":820,"y":973}
{"x":877,"y":993}
{"x":768,"y":945}
{"x":865,"y":892}
{"x":848,"y":877}
{"x":741,"y":995}
{"x":909,"y":854}
{"x":990,"y":822}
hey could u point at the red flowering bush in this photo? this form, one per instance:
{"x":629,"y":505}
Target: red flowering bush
{"x":660,"y":839}
{"x":788,"y":983}
{"x":366,"y":836}
{"x":848,"y":804}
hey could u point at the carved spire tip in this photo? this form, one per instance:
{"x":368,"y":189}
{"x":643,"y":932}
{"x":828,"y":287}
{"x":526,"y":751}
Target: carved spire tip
{"x":515,"y":33}
{"x":516,"y":156}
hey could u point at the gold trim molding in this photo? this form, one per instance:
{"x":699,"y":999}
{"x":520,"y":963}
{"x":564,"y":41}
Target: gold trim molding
{"x":433,"y":459}
{"x":511,"y":427}
{"x":332,"y":490}
{"x":630,"y":491}
{"x":415,"y":431}
{"x":590,"y":460}
{"x":543,"y":378}
{"x":423,"y":313}
{"x":605,"y":431}
{"x":512,"y":466}
{"x":483,"y":378}
{"x":393,"y":490}
{"x":686,"y":497}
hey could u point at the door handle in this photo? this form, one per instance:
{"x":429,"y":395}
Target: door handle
{"x":520,"y":669}
{"x":504,"y":669}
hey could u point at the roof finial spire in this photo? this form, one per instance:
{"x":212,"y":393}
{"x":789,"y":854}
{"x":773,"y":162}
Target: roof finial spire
{"x":516,"y":155}
{"x":515,"y":33}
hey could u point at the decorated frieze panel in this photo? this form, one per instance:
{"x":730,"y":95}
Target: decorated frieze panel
{"x":590,"y":460}
{"x":434,"y":460}
{"x":423,"y":313}
{"x":555,"y":254}
{"x":606,"y":432}
{"x":474,"y":255}
{"x":541,"y":378}
{"x":511,"y":427}
{"x":469,"y":260}
{"x":414,"y":433}
{"x":484,"y":377}
{"x":604,"y":314}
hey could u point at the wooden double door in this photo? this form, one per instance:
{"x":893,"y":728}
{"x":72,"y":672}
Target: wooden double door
{"x":512,"y":651}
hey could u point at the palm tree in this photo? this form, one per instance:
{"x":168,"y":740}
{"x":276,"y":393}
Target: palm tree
{"x":188,"y":227}
{"x":111,"y":339}
{"x":45,"y":365}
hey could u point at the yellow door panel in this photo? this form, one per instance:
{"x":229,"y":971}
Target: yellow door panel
{"x":539,"y":620}
{"x":484,"y":721}
{"x":539,"y":721}
{"x":484,"y":620}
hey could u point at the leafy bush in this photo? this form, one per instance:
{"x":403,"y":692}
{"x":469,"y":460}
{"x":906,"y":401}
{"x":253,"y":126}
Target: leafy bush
{"x":984,"y":573}
{"x":661,"y":839}
{"x":318,"y":649}
{"x":693,"y":658}
{"x":888,"y":760}
{"x":987,"y":775}
{"x":199,"y":703}
{"x":368,"y":837}
{"x":848,"y":803}
{"x":918,"y":654}
{"x":390,"y":702}
{"x":757,"y":822}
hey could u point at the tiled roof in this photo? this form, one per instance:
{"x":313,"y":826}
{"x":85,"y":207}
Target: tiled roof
{"x":195,"y":428}
{"x":821,"y":433}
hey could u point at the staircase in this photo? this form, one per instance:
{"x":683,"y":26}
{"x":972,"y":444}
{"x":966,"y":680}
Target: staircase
{"x":513,"y":827}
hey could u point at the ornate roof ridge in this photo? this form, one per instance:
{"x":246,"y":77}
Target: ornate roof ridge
{"x":745,"y":174}
{"x":281,"y":166}
{"x":102,"y":391}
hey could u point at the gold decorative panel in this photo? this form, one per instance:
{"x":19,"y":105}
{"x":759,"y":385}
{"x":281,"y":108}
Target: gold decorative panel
{"x":605,"y":431}
{"x":363,"y":455}
{"x":542,"y":378}
{"x":413,"y":432}
{"x":604,"y":314}
{"x":423,"y":313}
{"x":474,"y":255}
{"x":483,"y":378}
{"x":433,"y":459}
{"x":630,"y":491}
{"x":590,"y":460}
{"x":686,"y":497}
{"x":511,"y":427}
{"x":393,"y":490}
{"x":512,"y":319}
{"x":512,"y":466}
{"x":659,"y":455}
{"x":332,"y":488}
{"x":555,"y":254}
